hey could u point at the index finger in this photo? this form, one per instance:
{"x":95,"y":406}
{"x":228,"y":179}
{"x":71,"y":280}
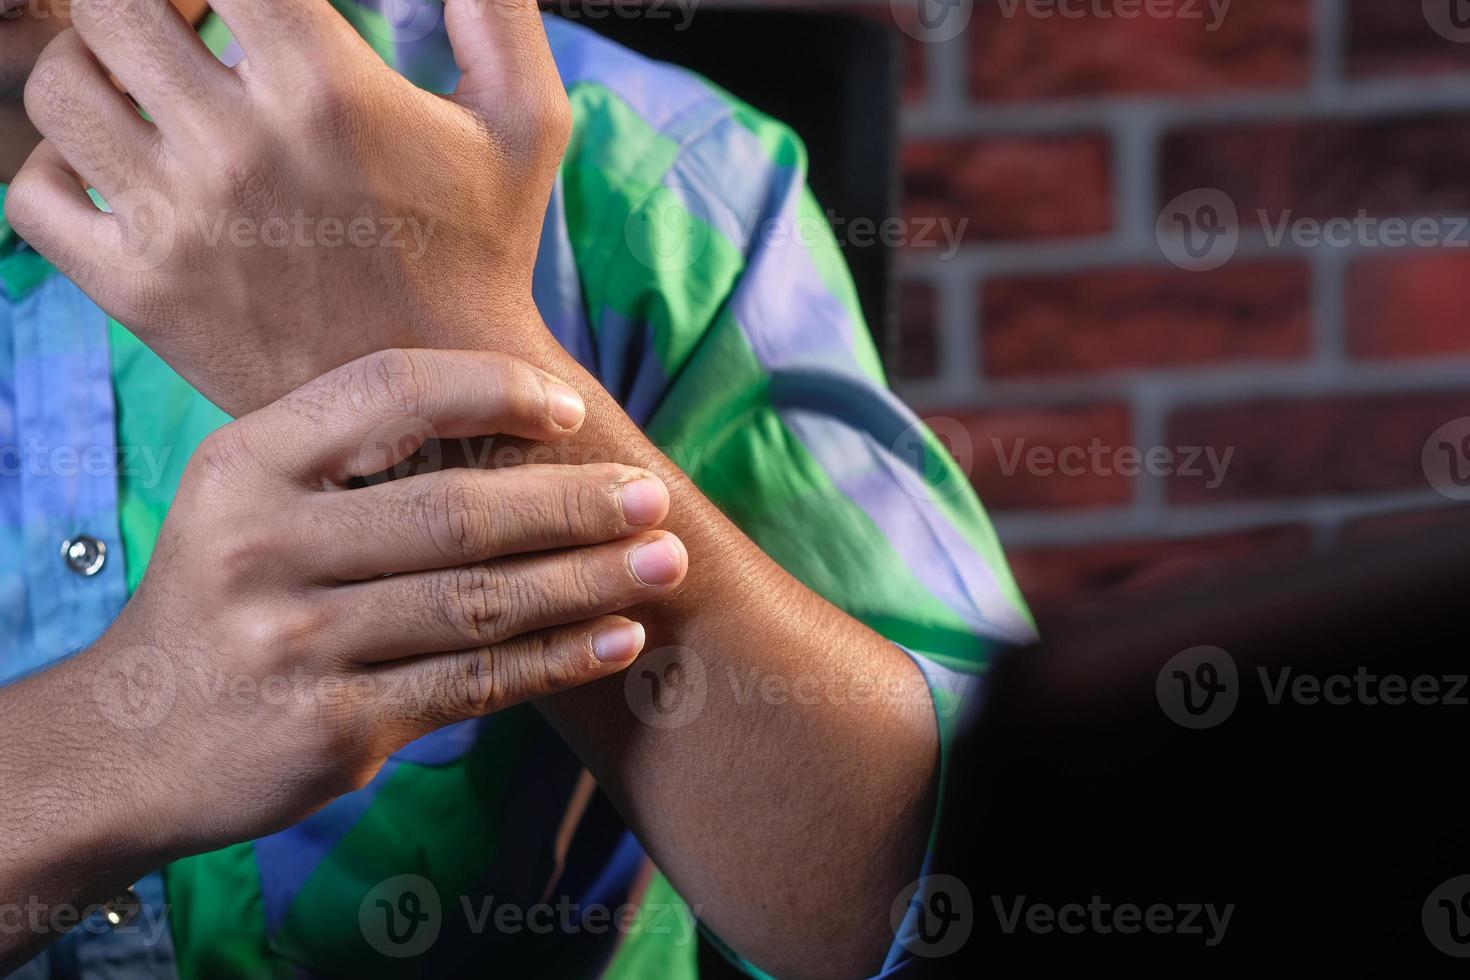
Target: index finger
{"x":156,"y":55}
{"x":376,"y":412}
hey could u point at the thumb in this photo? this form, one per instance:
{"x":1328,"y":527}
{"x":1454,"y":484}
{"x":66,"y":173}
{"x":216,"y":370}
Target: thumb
{"x":497,"y":44}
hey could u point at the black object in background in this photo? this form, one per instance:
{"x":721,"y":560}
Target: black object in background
{"x":835,"y":78}
{"x":1328,"y":827}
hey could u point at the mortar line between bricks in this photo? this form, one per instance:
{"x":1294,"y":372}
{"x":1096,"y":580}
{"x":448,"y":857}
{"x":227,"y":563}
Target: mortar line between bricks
{"x":960,"y":323}
{"x":1135,"y":179}
{"x":1329,"y":42}
{"x":1348,"y":100}
{"x":1105,"y":252}
{"x":1212,"y":384}
{"x":1026,"y":529}
{"x":946,"y":77}
{"x":1328,"y":303}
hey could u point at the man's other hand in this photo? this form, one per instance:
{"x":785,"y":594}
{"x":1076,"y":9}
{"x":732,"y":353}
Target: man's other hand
{"x":295,"y":627}
{"x":276,"y":220}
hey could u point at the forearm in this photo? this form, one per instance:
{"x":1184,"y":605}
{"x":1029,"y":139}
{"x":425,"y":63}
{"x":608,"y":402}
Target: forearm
{"x":796,"y":803}
{"x":64,"y":790}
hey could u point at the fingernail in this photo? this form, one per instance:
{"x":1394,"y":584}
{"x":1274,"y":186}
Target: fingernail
{"x":658,"y":562}
{"x":567,"y":407}
{"x":643,"y":501}
{"x":619,"y":643}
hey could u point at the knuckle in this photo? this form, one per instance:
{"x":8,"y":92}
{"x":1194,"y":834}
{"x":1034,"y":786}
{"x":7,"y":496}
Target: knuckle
{"x":563,"y":668}
{"x":461,"y":517}
{"x":520,"y":673}
{"x":591,"y":508}
{"x":582,"y":586}
{"x":478,"y":683}
{"x":394,"y":379}
{"x":521,"y":392}
{"x":278,"y":637}
{"x":50,"y":92}
{"x":475,"y":605}
{"x":218,"y":459}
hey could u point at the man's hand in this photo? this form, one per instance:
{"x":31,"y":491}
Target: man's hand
{"x":278,"y":220}
{"x":292,"y":633}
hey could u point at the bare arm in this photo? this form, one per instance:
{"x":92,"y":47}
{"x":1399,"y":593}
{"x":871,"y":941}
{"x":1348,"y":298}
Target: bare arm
{"x":794,"y":825}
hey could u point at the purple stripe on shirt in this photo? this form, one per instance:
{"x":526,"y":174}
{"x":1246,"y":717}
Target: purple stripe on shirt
{"x":860,"y":457}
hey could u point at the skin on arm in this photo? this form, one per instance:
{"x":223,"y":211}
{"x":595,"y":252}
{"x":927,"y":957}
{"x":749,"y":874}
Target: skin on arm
{"x":791,"y":827}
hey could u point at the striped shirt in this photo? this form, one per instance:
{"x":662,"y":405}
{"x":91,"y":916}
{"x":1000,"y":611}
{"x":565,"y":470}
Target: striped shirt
{"x":740,"y":351}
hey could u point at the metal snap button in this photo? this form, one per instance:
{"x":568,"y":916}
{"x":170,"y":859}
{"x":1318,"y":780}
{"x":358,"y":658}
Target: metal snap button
{"x":84,"y":554}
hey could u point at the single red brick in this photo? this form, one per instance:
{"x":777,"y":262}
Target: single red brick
{"x":1411,"y":305}
{"x":1064,"y":579}
{"x":915,"y":351}
{"x":1323,"y":169}
{"x":995,"y":188}
{"x":1017,"y":55}
{"x":1397,"y":38}
{"x":1286,"y":448}
{"x":1030,"y":459}
{"x":1161,"y":317}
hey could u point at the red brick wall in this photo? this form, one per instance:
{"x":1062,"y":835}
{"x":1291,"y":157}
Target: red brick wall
{"x":1323,"y":369}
